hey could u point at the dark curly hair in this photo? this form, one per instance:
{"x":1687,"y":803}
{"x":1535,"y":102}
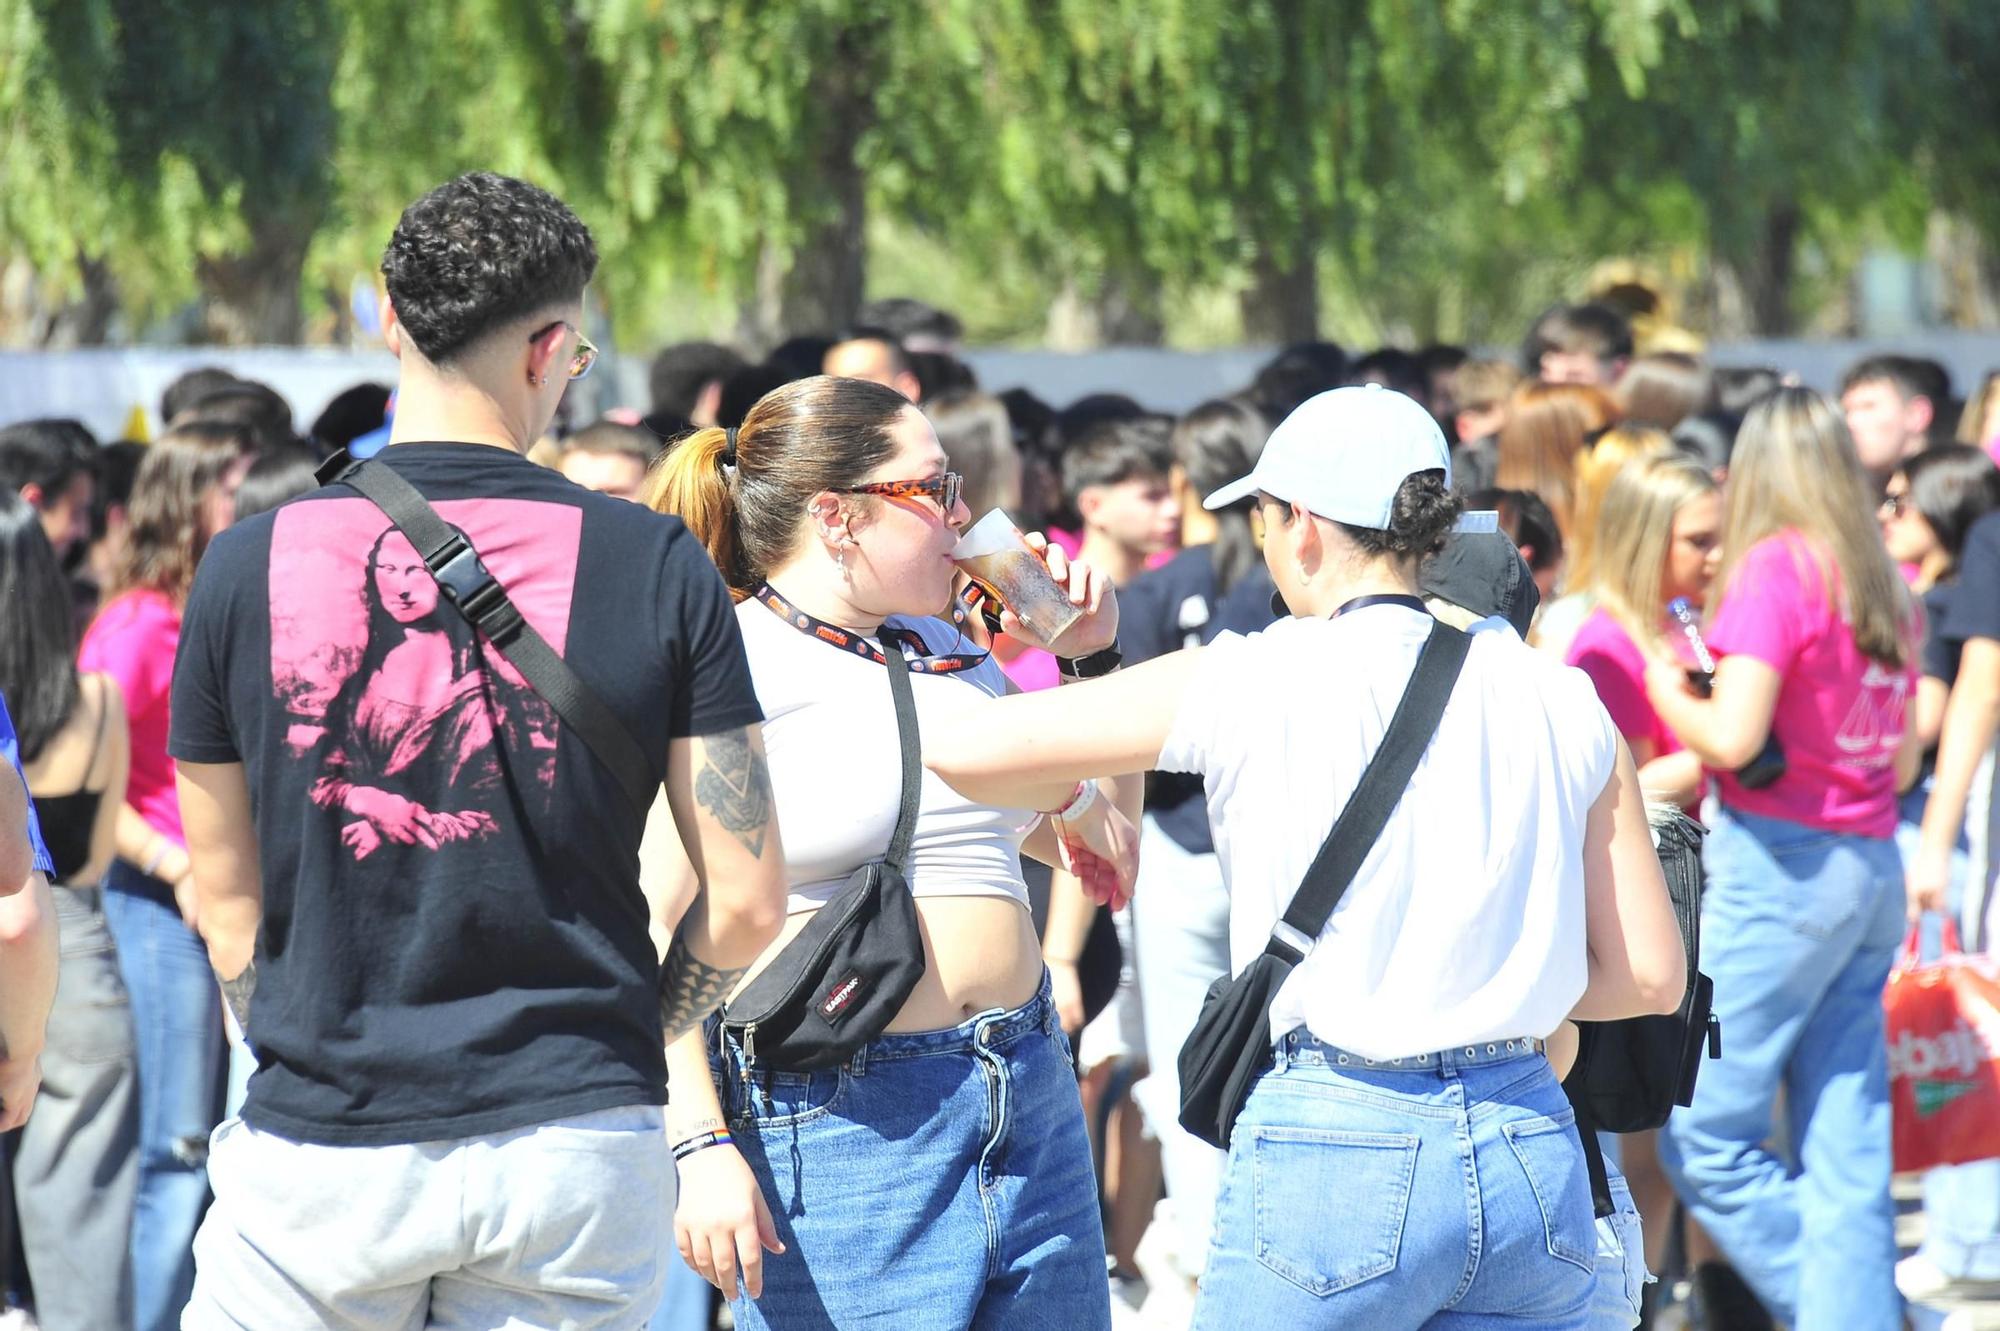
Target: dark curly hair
{"x":479,"y":252}
{"x":1424,"y":513}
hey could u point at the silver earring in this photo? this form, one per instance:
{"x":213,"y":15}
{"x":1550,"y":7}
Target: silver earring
{"x":840,"y":559}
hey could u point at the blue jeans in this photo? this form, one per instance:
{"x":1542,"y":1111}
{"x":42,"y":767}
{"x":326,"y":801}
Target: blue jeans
{"x":177,"y":1020}
{"x":1448,"y":1193}
{"x":1799,"y":927}
{"x":939,"y":1179}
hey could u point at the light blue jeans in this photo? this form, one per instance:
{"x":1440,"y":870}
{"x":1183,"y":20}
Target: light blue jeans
{"x":1448,"y":1193}
{"x":937,"y":1179}
{"x":177,"y":1020}
{"x":1799,"y":927}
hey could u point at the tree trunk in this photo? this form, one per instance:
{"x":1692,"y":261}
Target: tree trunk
{"x":1767,"y":269}
{"x":252,"y":298}
{"x":1281,"y":305}
{"x":822,"y":289}
{"x":85,"y":321}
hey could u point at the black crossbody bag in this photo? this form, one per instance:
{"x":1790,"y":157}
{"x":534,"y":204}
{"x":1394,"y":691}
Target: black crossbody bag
{"x":1230,"y":1046}
{"x":845,"y":976}
{"x":478,"y":596}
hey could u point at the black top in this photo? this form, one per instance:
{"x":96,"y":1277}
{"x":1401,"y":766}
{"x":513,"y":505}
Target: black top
{"x":1973,"y":608}
{"x":453,"y":942}
{"x":68,"y":820}
{"x":1174,"y":606}
{"x":1941,"y":650}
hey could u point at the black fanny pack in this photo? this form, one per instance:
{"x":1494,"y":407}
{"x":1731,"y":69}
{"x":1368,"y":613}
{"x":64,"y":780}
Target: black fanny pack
{"x":1230,"y":1046}
{"x":839,"y":983}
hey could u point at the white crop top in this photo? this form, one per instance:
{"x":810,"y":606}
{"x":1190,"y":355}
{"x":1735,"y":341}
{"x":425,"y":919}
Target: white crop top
{"x":836,"y":767}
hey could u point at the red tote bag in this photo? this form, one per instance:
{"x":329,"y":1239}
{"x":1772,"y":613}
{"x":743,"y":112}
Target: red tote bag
{"x":1944,"y":1055}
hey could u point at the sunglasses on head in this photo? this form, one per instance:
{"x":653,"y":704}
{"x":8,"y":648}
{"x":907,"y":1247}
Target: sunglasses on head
{"x":582,"y":358}
{"x":945,"y":489}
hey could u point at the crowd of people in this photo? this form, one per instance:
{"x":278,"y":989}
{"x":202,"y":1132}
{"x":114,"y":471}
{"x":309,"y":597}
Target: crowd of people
{"x":361,"y":991}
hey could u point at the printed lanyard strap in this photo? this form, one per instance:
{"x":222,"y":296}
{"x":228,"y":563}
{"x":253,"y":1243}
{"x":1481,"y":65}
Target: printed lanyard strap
{"x":923,"y":663}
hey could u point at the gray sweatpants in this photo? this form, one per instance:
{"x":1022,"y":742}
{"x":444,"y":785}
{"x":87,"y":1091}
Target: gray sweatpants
{"x":561,"y":1225}
{"x":76,"y":1168}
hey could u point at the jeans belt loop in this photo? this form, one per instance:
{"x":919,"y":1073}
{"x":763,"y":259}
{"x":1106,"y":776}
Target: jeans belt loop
{"x":858,"y":1065}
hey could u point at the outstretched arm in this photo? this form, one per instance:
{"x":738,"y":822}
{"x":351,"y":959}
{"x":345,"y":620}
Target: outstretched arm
{"x":1030,"y":750}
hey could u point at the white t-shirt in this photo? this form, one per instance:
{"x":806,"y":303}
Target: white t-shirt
{"x":836,"y":767}
{"x":1465,"y":922}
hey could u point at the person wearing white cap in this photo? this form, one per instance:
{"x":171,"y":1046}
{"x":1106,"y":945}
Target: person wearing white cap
{"x":1405,"y":1157}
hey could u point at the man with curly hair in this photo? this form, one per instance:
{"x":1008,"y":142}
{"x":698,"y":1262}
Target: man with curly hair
{"x":428,"y":920}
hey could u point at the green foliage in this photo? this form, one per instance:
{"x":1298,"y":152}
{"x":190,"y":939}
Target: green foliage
{"x":1447,"y":166}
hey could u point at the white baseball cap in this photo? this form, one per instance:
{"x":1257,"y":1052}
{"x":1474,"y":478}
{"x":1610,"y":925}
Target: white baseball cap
{"x":1344,"y":454}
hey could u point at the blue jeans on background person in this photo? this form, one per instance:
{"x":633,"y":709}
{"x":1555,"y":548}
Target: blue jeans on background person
{"x":177,"y":1020}
{"x":1449,"y":1192}
{"x":938,"y":1178}
{"x":1799,"y":928}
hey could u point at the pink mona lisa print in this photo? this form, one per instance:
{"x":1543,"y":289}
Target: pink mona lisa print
{"x":421,"y":736}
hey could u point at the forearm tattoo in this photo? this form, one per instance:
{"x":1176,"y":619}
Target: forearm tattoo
{"x":690,"y":989}
{"x":735,"y":786}
{"x":237,"y":993}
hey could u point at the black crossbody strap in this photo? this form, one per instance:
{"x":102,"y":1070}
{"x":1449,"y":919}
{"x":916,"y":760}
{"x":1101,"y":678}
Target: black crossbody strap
{"x":913,"y":761}
{"x":1381,"y":787}
{"x":464,"y":581}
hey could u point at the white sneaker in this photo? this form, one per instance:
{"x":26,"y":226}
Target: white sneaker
{"x":1922,"y":1281}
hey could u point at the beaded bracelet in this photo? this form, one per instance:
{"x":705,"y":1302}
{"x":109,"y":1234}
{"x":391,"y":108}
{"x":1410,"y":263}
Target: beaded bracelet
{"x":701,"y":1142}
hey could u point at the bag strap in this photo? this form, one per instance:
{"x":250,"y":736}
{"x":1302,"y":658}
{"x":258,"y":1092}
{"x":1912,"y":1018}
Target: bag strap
{"x":464,"y":581}
{"x":913,"y":761}
{"x":1381,"y":787}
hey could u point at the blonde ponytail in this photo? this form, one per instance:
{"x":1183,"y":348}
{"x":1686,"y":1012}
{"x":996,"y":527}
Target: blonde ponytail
{"x":690,"y":483}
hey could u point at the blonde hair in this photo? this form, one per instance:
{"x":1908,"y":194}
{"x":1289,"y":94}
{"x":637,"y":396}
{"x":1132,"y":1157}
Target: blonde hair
{"x":1481,"y":385}
{"x":1546,"y":428}
{"x":1597,"y":467}
{"x":1635,"y":530}
{"x":1980,"y":406}
{"x":1794,"y":468}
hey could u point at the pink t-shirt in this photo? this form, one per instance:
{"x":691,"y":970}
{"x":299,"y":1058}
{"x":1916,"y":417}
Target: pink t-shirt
{"x":1603,"y":650}
{"x":133,"y":639}
{"x":1839,"y":714}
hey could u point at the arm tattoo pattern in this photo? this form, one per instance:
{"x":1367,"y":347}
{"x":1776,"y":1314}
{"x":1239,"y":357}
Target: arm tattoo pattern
{"x":690,"y":989}
{"x":735,"y":786}
{"x":237,"y":993}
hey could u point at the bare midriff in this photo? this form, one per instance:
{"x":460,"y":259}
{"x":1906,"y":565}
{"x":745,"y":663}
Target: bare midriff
{"x":980,"y":953}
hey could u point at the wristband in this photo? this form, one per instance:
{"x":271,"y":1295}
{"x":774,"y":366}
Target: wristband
{"x":701,"y":1142}
{"x":1094,"y":666}
{"x":1079,"y":801}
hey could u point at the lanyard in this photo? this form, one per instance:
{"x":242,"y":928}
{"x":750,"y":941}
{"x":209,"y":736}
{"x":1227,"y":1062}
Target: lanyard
{"x":923,"y":663}
{"x":1386,"y":598}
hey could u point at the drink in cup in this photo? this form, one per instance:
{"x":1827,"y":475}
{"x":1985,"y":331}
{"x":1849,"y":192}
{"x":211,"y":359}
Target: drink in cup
{"x":995,"y":555}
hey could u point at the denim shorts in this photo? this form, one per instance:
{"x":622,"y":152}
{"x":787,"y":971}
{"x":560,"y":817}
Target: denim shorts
{"x":940,"y":1178}
{"x":1449,"y":1191}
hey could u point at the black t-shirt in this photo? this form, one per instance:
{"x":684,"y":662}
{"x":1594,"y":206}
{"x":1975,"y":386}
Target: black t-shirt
{"x":1975,"y":601}
{"x":1178,"y":605}
{"x":454,"y":942}
{"x":1941,"y":650}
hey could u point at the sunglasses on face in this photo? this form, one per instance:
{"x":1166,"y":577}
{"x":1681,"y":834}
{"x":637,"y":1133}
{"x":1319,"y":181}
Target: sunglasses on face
{"x":582,"y":358}
{"x":944,"y":489}
{"x":1893,"y":505}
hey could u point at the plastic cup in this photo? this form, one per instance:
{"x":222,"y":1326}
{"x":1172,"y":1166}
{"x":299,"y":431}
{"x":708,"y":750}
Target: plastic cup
{"x":995,"y":555}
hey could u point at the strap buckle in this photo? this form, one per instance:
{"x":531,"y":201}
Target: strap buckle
{"x":464,"y":580}
{"x":1285,"y":936}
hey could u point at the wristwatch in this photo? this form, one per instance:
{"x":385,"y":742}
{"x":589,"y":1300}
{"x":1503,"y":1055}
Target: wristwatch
{"x":1094,"y":666}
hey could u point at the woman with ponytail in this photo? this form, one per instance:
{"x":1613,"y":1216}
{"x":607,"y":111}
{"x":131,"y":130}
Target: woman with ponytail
{"x":945,"y":1166}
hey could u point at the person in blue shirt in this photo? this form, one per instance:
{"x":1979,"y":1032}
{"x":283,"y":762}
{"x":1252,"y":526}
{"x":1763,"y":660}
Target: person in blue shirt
{"x":27,"y":937}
